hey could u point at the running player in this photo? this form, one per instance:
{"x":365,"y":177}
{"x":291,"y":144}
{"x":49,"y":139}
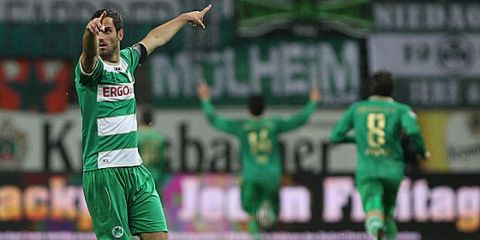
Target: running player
{"x":378,"y":123}
{"x":119,"y":190}
{"x":260,"y":151}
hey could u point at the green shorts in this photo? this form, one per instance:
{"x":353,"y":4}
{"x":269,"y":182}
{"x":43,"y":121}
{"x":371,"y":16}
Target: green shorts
{"x":122,"y":202}
{"x":253,"y":194}
{"x":379,"y":194}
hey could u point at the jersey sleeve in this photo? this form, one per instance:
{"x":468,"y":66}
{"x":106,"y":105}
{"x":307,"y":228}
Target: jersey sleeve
{"x":132,"y":56}
{"x":89,"y":78}
{"x":412,"y":129}
{"x":227,"y":125}
{"x":339,"y":133}
{"x":297,"y":120}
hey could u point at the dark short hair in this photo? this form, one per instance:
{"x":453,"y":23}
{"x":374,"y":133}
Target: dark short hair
{"x":147,"y":116}
{"x":382,"y":83}
{"x":256,"y":105}
{"x":117,"y":17}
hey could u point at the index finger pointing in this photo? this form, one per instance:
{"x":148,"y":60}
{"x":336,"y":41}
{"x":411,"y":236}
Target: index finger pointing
{"x":206,"y":9}
{"x":104,"y":13}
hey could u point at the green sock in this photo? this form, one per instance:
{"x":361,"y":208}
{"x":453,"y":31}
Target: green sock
{"x":254,"y":230}
{"x":373,"y":224}
{"x":390,"y":229}
{"x":389,"y":237}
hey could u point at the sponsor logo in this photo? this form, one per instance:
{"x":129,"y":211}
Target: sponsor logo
{"x":474,"y":123}
{"x":13,"y":145}
{"x":455,"y":53}
{"x":117,"y":91}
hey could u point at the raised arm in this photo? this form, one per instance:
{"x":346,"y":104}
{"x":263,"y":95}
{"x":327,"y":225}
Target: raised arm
{"x":89,"y":56}
{"x":227,"y":125}
{"x":163,"y":33}
{"x":301,"y":118}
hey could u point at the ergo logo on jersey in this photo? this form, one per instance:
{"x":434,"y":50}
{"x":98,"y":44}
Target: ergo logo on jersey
{"x":117,"y":91}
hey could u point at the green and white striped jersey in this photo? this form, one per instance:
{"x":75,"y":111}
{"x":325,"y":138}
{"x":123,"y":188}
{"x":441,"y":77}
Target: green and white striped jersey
{"x":107,"y":103}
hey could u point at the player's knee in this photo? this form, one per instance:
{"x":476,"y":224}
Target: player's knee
{"x":375,"y":213}
{"x":154,"y":236}
{"x":163,"y":236}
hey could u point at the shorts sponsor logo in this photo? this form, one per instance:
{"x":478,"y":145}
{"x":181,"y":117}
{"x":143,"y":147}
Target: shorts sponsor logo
{"x":118,"y":232}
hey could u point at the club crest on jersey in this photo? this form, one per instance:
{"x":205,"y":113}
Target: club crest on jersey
{"x":115,"y":92}
{"x":118,"y":232}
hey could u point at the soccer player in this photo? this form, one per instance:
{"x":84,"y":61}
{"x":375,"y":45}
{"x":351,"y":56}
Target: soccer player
{"x":260,"y":151}
{"x":152,"y":149}
{"x":378,"y":123}
{"x":119,"y":190}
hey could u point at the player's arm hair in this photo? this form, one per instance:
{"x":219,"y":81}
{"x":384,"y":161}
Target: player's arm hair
{"x":89,"y":56}
{"x":160,"y":35}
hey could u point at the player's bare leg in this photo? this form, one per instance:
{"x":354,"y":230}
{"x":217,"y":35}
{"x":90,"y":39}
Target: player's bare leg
{"x":154,"y":236}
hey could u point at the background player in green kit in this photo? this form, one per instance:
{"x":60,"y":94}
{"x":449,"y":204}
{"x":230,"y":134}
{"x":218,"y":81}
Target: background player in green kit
{"x":260,"y":150}
{"x":152,"y":147}
{"x":378,"y":123}
{"x":119,"y":190}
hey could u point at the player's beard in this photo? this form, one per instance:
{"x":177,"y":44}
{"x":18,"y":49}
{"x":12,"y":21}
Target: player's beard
{"x":108,"y":53}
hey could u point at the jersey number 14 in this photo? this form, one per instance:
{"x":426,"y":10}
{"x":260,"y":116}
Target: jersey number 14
{"x":260,"y":144}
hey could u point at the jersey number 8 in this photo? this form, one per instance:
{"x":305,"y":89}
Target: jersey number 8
{"x":376,"y":129}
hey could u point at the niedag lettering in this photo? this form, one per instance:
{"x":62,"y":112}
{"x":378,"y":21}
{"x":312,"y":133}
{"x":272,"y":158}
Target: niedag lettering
{"x":401,"y":16}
